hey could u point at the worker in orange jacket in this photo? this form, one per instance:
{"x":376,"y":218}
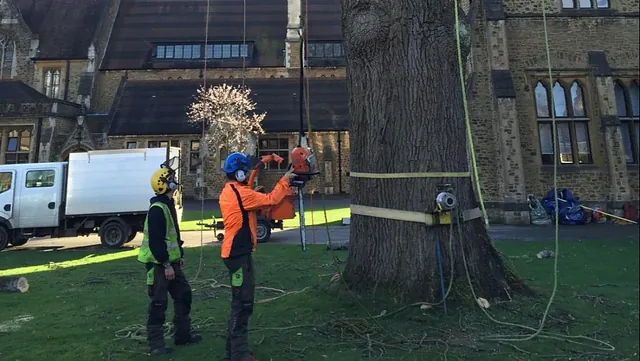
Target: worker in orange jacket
{"x":238,"y":203}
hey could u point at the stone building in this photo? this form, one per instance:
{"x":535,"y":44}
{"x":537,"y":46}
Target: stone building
{"x":132,"y":70}
{"x":48,"y":52}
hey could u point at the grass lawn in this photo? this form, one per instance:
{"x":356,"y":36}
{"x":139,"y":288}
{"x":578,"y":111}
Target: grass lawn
{"x":191,"y":218}
{"x":74,"y":309}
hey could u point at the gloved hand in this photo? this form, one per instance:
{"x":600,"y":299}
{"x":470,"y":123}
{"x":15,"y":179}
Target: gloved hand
{"x":290,"y":174}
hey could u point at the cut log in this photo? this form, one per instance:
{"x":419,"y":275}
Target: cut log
{"x":14,"y":284}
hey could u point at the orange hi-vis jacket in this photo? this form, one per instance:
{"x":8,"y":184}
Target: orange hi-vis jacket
{"x":238,"y":203}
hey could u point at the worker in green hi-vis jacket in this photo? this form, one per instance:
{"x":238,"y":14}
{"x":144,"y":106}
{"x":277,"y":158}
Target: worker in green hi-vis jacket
{"x":161,"y":251}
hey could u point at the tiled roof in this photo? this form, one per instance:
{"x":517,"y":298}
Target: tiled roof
{"x":65,"y":27}
{"x":97,"y":123}
{"x":160,"y":107}
{"x":15,"y":91}
{"x":324,"y":20}
{"x":141,"y":23}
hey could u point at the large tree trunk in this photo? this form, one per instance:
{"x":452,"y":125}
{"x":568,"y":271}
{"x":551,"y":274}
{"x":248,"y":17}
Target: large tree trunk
{"x":407,"y":115}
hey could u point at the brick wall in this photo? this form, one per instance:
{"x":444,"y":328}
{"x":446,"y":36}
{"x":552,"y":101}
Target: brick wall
{"x":70,"y":80}
{"x":521,"y":7}
{"x":570,"y":39}
{"x":482,"y":107}
{"x":16,"y":30}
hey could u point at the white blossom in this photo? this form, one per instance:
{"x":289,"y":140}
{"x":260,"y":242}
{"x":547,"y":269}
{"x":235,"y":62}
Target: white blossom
{"x":229,"y":117}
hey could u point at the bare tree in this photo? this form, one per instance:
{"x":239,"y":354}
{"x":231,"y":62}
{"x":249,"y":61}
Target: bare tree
{"x":407,"y":115}
{"x":228,"y":115}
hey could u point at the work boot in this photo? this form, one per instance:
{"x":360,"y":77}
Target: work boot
{"x":160,"y":351}
{"x":194,"y":338}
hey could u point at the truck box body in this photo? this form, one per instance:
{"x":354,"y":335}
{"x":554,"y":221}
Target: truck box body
{"x":112,"y":181}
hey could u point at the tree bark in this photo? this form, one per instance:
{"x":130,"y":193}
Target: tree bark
{"x":406,"y":115}
{"x":14,"y":284}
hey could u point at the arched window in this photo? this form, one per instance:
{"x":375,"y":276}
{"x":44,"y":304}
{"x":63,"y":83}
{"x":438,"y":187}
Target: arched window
{"x":628,"y":110}
{"x":571,"y":123}
{"x":7,"y":48}
{"x":559,"y":100}
{"x":18,"y":146}
{"x":542,"y":101}
{"x":52,"y":83}
{"x":577,"y":100}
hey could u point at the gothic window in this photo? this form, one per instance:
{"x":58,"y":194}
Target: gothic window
{"x":628,"y":110}
{"x":7,"y":48}
{"x":571,"y":122}
{"x":52,"y":83}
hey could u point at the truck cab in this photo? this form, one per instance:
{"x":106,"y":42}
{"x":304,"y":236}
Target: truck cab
{"x":31,"y":197}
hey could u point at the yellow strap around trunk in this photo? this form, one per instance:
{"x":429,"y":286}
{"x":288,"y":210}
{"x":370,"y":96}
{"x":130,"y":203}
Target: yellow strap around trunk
{"x":410,"y":175}
{"x":408,"y":216}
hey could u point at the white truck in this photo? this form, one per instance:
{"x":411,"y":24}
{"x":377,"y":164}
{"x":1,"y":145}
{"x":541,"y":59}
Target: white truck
{"x":105,"y":192}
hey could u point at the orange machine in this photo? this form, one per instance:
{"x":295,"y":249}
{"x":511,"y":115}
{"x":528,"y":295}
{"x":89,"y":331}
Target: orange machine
{"x":304,"y":163}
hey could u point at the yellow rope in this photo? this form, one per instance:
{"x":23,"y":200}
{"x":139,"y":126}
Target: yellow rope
{"x":537,"y":332}
{"x":467,"y":119}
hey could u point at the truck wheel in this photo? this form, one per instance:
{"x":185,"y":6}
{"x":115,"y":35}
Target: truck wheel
{"x":19,"y":242}
{"x":114,"y":233}
{"x":4,"y":238}
{"x":132,"y":235}
{"x":263,"y":231}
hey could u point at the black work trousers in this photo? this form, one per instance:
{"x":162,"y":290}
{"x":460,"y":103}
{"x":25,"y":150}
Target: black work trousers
{"x":241,"y":273}
{"x":180,"y":292}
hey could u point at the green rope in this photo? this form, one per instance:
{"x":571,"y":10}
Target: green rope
{"x":539,"y":331}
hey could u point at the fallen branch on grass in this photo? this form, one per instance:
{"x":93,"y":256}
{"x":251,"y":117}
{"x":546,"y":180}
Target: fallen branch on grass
{"x":14,"y":284}
{"x":214,"y":284}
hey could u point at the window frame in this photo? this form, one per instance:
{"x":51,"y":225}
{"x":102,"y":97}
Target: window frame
{"x":7,"y":46}
{"x":10,"y":181}
{"x":235,"y":51}
{"x":159,"y":143}
{"x":279,"y":150}
{"x":193,"y":164}
{"x":21,"y":156}
{"x":46,"y":185}
{"x":127,"y":145}
{"x":629,"y":120}
{"x":570,"y":120}
{"x":312,"y":53}
{"x":577,"y":6}
{"x":49,"y":88}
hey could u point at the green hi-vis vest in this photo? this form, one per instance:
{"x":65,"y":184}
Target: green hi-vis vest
{"x":171,"y":237}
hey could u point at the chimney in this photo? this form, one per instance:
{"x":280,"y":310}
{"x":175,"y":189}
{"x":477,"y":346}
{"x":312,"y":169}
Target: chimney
{"x":294,"y":30}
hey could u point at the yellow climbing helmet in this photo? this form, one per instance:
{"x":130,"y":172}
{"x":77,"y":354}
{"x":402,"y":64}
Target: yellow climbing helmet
{"x":163,"y":180}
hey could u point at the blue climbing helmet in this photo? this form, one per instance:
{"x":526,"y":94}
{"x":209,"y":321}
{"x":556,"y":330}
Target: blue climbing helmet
{"x":235,"y":162}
